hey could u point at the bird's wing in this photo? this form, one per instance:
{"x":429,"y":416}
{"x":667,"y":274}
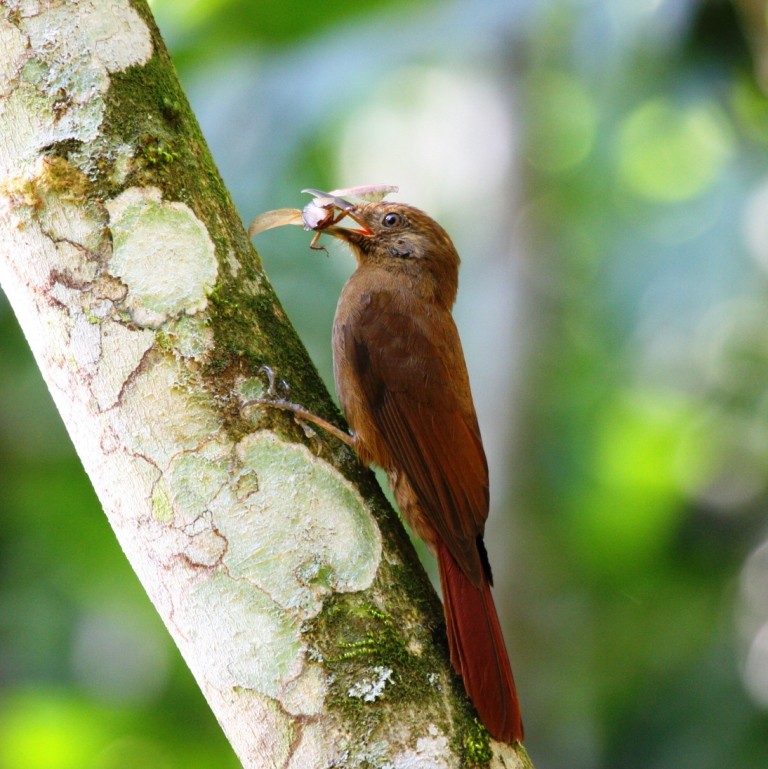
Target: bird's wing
{"x":412,"y":375}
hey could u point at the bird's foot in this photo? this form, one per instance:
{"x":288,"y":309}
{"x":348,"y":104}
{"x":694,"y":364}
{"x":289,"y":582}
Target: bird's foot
{"x":277,"y":396}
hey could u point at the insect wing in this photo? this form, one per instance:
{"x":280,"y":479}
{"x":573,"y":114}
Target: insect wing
{"x":277,"y":218}
{"x":370,"y":193}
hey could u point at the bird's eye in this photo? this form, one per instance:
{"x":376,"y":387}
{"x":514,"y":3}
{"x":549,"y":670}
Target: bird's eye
{"x":391,"y":220}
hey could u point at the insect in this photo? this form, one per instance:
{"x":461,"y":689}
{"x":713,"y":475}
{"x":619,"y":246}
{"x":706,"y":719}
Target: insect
{"x":324,"y":210}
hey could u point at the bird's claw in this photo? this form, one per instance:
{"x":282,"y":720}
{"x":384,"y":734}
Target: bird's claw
{"x":281,"y":401}
{"x":272,"y":384}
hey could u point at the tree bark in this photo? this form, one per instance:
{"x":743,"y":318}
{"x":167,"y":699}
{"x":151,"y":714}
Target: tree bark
{"x":282,"y":575}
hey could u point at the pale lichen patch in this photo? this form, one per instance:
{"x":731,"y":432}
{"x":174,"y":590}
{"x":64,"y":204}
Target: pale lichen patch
{"x":233,"y":263}
{"x":49,"y":201}
{"x":29,"y":124}
{"x":251,"y":388}
{"x":121,"y":157}
{"x":110,"y":289}
{"x":305,"y":695}
{"x":120,"y":38}
{"x":315,"y":744}
{"x":122,"y":349}
{"x":205,"y":547}
{"x":162,"y":509}
{"x":370,"y":689}
{"x":306,"y":533}
{"x":159,"y":417}
{"x":77,"y":273}
{"x":191,"y":336}
{"x":85,"y":343}
{"x":254,"y":644}
{"x":194,"y":479}
{"x":274,"y":553}
{"x":72,"y":222}
{"x":246,"y":484}
{"x":104,"y":156}
{"x":164,"y":255}
{"x":117,"y":39}
{"x":59,"y":80}
{"x":13,"y":44}
{"x":432,"y":752}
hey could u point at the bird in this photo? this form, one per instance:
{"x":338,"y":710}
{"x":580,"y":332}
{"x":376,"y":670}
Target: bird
{"x":403,"y":386}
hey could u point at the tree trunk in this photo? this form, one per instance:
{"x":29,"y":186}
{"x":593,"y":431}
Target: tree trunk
{"x":285,"y":580}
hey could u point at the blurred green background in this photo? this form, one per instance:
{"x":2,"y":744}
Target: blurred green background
{"x":603,"y":169}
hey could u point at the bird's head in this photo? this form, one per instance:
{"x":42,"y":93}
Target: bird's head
{"x":402,"y":239}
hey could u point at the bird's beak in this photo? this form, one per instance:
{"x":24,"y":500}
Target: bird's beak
{"x":345,"y":233}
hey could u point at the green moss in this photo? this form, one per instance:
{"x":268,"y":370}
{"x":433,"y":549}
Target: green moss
{"x":56,"y":176}
{"x":157,"y":151}
{"x":173,"y":109}
{"x":379,"y":641}
{"x":359,"y":642}
{"x":63,"y":149}
{"x":147,"y":110}
{"x":21,"y":193}
{"x":59,"y":176}
{"x":477,"y":745}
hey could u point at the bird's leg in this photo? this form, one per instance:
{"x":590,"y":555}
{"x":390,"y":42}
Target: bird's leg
{"x":281,"y":402}
{"x":335,"y":220}
{"x":313,"y":243}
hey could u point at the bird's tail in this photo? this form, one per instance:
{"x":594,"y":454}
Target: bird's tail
{"x":478,"y":652}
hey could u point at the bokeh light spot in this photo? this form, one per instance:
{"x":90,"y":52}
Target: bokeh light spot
{"x":625,"y":518}
{"x":45,"y":731}
{"x":669,"y":153}
{"x":444,"y":137}
{"x":104,"y":637}
{"x":562,"y":121}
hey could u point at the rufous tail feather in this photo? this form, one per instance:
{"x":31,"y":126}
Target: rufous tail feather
{"x":478,"y":652}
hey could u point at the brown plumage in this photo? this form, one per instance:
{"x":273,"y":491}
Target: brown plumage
{"x":403,"y":385}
